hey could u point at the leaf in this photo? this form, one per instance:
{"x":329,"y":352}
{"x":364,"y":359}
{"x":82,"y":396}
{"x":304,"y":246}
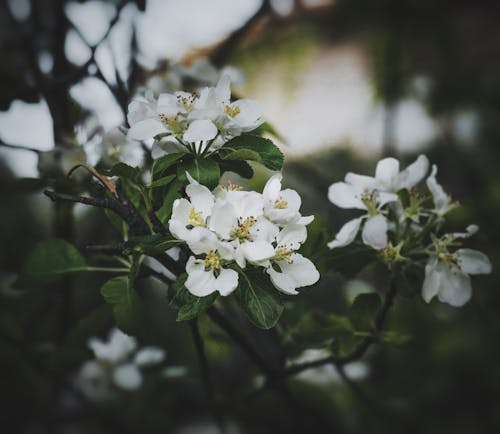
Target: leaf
{"x":250,"y":147}
{"x":116,"y":221}
{"x":48,"y":261}
{"x":162,"y":181}
{"x":266,"y":127}
{"x":240,"y":167}
{"x":409,"y":282}
{"x":204,"y":170}
{"x":259,"y":299}
{"x":189,"y":305}
{"x":395,"y":338}
{"x":123,"y":170}
{"x":127,"y":306}
{"x":150,"y":244}
{"x":163,"y":163}
{"x":364,"y":310}
{"x":173,"y":193}
{"x":351,"y":259}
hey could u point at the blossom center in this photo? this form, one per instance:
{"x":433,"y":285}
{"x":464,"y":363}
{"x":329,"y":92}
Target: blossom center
{"x":242,"y":232}
{"x":172,"y":123}
{"x":187,"y":101}
{"x":231,"y":187}
{"x":280,"y":204}
{"x":212,"y":260}
{"x":232,"y":110}
{"x":195,"y":218}
{"x":284,"y":254}
{"x":369,"y":199}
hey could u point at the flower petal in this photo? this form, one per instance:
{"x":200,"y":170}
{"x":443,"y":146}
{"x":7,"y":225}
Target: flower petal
{"x":386,"y":172}
{"x":199,"y":282}
{"x":473,"y":262}
{"x":374,"y":232}
{"x":346,"y":234}
{"x":146,"y":129}
{"x":413,"y":174}
{"x":227,"y":281}
{"x":297,"y":273}
{"x":292,"y":236}
{"x":432,"y":281}
{"x":200,"y":130}
{"x":272,"y":188}
{"x":455,"y":289}
{"x":440,"y":198}
{"x":361,"y":181}
{"x":346,"y":195}
{"x":256,"y":251}
{"x":127,"y":377}
{"x":149,"y":356}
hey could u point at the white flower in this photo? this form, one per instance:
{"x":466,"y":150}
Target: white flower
{"x":287,"y":269}
{"x":208,"y":275}
{"x":360,"y":192}
{"x":116,"y":147}
{"x":448,"y":276}
{"x":442,"y":201}
{"x":115,"y":366}
{"x":282,"y":206}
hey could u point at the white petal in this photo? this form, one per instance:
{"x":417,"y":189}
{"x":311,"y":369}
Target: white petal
{"x":256,"y":251}
{"x":264,"y":230}
{"x":201,"y":240}
{"x":127,"y":377}
{"x":200,"y":130}
{"x":374,"y":232}
{"x":384,"y":198}
{"x":455,"y":287}
{"x":272,"y":188}
{"x":292,"y":236}
{"x":146,"y":129}
{"x":199,"y":282}
{"x":432,"y":281}
{"x":346,"y":196}
{"x":149,"y":356}
{"x":440,"y":198}
{"x":250,"y":115}
{"x":224,"y":219}
{"x":413,"y":174}
{"x":168,"y":105}
{"x":223,"y":89}
{"x":227,"y":281}
{"x":361,"y":181}
{"x":473,"y":262}
{"x":386,"y":172}
{"x":298,"y":273}
{"x":139,"y":110}
{"x":201,"y":198}
{"x":305,"y":220}
{"x":346,"y":234}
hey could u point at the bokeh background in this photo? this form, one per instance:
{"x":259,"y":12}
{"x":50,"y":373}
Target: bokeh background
{"x":344,"y":82}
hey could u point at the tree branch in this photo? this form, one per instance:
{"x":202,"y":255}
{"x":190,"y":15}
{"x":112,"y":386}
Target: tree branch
{"x":19,"y":147}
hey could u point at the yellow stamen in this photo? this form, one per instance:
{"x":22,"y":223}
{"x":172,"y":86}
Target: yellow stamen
{"x":232,"y":110}
{"x":231,"y":187}
{"x":280,"y":204}
{"x":284,"y":254}
{"x":212,"y":260}
{"x":369,"y":198}
{"x":172,"y":123}
{"x":195,"y":218}
{"x":242,"y":232}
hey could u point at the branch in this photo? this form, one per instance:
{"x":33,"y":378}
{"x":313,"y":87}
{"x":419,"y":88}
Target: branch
{"x":19,"y":147}
{"x":360,"y":350}
{"x":205,"y":372}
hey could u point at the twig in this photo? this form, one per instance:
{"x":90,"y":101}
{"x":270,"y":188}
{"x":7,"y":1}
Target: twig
{"x":360,"y":350}
{"x":19,"y":147}
{"x":205,"y":372}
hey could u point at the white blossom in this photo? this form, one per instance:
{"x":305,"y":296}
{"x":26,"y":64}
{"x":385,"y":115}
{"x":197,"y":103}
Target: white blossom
{"x":442,"y":201}
{"x":447,"y":276}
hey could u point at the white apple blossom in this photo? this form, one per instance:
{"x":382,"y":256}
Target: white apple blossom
{"x":117,"y":147}
{"x":117,"y":364}
{"x":447,"y":276}
{"x":442,"y":201}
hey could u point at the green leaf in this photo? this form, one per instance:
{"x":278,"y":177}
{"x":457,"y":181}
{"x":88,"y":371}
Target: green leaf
{"x":49,"y":260}
{"x":163,"y":163}
{"x":259,"y":299}
{"x":364,"y":310}
{"x":127,"y":306}
{"x":123,"y":170}
{"x":240,"y":167}
{"x":189,"y":305}
{"x":150,"y":244}
{"x":204,"y":170}
{"x":409,"y":282}
{"x":395,"y":338}
{"x":351,"y":259}
{"x":116,"y":221}
{"x":266,"y":127}
{"x":162,"y":181}
{"x":174,"y":192}
{"x":256,"y":148}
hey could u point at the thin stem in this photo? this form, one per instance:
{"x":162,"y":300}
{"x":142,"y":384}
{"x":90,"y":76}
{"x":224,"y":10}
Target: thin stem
{"x":205,"y":372}
{"x":19,"y":147}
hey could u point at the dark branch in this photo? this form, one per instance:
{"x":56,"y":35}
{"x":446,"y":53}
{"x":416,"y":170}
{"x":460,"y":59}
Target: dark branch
{"x":205,"y":372}
{"x":360,"y":350}
{"x":19,"y":147}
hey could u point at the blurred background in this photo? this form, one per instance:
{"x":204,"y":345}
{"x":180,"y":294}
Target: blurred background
{"x":344,"y":83}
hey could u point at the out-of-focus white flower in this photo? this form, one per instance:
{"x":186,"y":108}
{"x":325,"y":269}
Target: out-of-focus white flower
{"x":117,"y":364}
{"x":442,"y":201}
{"x":447,"y":276}
{"x":115,"y":147}
{"x":61,"y":159}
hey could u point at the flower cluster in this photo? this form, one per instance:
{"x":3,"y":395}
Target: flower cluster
{"x":227,"y":229}
{"x":199,"y":122}
{"x":117,"y":363}
{"x":399,"y":229}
